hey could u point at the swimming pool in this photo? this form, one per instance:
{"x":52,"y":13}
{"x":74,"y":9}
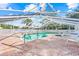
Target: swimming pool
{"x":34,"y":36}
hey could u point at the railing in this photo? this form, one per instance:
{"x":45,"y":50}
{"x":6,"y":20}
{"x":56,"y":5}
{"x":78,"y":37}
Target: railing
{"x":64,"y":34}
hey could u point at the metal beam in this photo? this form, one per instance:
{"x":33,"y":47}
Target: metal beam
{"x":9,"y":18}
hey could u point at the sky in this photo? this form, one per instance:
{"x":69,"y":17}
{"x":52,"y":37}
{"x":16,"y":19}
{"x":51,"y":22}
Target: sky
{"x":23,"y":8}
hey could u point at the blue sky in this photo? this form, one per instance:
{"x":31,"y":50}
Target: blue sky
{"x":23,"y":8}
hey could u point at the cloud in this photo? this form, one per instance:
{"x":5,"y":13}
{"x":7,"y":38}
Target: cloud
{"x":10,"y":8}
{"x":42,"y":5}
{"x":58,"y":10}
{"x":69,"y":10}
{"x":10,"y":14}
{"x":31,"y":8}
{"x":72,"y":5}
{"x":4,"y":6}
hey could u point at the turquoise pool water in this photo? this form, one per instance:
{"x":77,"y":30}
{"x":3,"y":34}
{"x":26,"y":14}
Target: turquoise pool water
{"x":30,"y":37}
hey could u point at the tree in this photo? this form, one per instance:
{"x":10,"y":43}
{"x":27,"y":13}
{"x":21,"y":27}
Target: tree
{"x":74,"y":15}
{"x":27,"y":22}
{"x":6,"y":26}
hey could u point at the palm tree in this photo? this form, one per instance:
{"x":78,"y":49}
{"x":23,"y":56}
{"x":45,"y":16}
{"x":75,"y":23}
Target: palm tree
{"x":27,"y":22}
{"x":44,"y":22}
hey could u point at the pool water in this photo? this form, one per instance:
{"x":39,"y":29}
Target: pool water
{"x":30,"y":37}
